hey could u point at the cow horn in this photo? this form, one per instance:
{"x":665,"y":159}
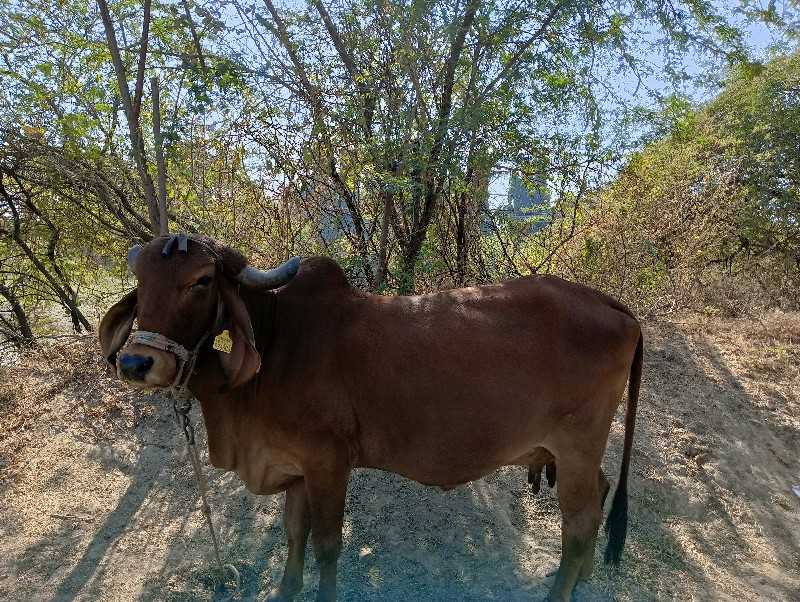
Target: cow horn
{"x":132,"y":256}
{"x":266,"y":279}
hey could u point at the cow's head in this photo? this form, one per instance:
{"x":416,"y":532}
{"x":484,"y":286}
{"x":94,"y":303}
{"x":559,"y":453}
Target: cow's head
{"x":187,"y":294}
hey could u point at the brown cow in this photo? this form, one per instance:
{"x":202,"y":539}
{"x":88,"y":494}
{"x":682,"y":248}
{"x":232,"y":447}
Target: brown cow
{"x":442,"y":388}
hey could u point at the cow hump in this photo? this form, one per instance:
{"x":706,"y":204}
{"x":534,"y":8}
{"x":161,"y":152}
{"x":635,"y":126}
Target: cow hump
{"x":319,"y":272}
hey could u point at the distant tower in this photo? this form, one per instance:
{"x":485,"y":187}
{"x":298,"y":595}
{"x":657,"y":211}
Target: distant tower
{"x":522,"y":202}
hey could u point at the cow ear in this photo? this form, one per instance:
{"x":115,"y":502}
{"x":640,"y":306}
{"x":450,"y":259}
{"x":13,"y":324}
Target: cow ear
{"x":240,"y":361}
{"x":116,"y":326}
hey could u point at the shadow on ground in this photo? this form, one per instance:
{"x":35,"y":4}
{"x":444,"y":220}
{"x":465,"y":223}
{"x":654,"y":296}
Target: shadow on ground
{"x":711,"y":512}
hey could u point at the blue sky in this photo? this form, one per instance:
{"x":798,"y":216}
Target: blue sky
{"x":762,"y":41}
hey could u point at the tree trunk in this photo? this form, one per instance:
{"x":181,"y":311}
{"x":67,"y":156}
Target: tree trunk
{"x":163,"y":218}
{"x":131,"y":107}
{"x":460,"y":277}
{"x":433,"y":175}
{"x":408,"y":276}
{"x":25,"y":333}
{"x":383,"y":255}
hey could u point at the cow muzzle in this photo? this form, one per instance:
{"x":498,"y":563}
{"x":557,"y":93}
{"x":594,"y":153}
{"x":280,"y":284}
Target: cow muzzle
{"x":152,"y":360}
{"x":145,"y":367}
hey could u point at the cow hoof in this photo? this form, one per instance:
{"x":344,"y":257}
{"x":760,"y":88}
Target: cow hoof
{"x":275,"y":595}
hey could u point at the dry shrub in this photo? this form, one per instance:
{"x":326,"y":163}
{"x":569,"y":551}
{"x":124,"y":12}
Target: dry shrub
{"x":667,"y":235}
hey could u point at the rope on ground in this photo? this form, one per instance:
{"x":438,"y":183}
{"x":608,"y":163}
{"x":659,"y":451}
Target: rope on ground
{"x":182,"y":405}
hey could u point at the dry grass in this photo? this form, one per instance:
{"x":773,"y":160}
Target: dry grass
{"x":97,"y":501}
{"x":57,"y":388}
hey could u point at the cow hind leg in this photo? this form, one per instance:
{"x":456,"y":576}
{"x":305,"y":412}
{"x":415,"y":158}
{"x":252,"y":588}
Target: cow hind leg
{"x":587,"y":568}
{"x":297,"y":524}
{"x":579,"y":497}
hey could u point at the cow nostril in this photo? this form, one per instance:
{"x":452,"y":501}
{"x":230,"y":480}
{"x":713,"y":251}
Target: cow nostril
{"x":145,"y":366}
{"x":135,"y":366}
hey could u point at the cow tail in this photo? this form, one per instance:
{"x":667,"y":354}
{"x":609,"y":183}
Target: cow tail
{"x":617,"y":521}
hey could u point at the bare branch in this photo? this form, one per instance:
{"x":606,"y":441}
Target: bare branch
{"x":308,"y":89}
{"x":163,"y":221}
{"x":139,"y":88}
{"x":350,"y":66}
{"x":193,"y":30}
{"x":137,"y":141}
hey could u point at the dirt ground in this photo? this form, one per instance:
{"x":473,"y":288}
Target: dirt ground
{"x":98,"y":501}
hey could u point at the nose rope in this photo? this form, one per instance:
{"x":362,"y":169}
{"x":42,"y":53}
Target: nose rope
{"x":182,"y":402}
{"x":159,"y":341}
{"x":186,"y":358}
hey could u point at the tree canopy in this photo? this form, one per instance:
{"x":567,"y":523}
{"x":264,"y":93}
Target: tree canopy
{"x":370,"y":130}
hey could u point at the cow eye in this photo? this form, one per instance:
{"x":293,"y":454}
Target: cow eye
{"x":201,"y":283}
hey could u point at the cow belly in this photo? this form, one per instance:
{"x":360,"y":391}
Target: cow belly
{"x":461,"y":461}
{"x":535,"y":461}
{"x":460,"y":443}
{"x":456,"y":430}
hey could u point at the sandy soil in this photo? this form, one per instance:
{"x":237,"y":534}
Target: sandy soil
{"x":98,"y":501}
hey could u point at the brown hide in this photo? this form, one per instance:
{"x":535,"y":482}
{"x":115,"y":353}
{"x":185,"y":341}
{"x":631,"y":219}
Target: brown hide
{"x":441,"y":388}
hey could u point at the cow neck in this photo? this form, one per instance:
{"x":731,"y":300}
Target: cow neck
{"x":228,"y":414}
{"x":262,"y":307}
{"x":268,"y":324}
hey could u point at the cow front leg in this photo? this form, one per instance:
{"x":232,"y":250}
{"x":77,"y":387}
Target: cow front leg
{"x":326,"y":495}
{"x":579,"y":498}
{"x":297,"y":525}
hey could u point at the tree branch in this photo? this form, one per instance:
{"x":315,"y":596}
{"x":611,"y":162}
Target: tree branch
{"x":193,"y":30}
{"x":512,"y":62}
{"x":283,"y":36}
{"x":350,"y":66}
{"x":139,"y":88}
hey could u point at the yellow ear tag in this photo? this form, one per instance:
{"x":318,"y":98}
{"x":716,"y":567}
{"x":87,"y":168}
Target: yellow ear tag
{"x":223,"y":342}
